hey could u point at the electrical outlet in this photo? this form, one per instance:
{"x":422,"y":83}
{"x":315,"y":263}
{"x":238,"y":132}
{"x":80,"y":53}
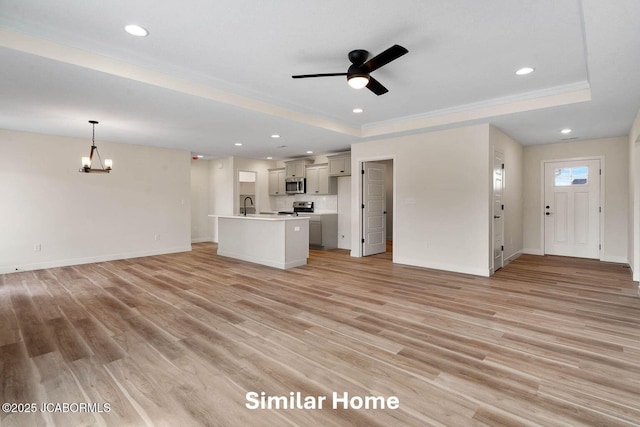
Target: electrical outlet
{"x":157,"y":237}
{"x":37,"y":247}
{"x":296,"y":228}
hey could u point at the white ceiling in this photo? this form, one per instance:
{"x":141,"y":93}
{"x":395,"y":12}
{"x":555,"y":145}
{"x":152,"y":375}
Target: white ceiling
{"x":213,"y":73}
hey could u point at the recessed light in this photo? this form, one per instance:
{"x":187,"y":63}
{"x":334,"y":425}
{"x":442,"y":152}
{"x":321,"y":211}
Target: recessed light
{"x":275,"y":135}
{"x":136,"y":30}
{"x":358,"y":110}
{"x":200,"y":156}
{"x":524,"y":71}
{"x":269,"y":158}
{"x":238,"y":144}
{"x":309,"y":152}
{"x":565,"y":131}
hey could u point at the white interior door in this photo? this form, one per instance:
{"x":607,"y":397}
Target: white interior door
{"x":374,"y":209}
{"x":498,"y":210}
{"x":572,"y":208}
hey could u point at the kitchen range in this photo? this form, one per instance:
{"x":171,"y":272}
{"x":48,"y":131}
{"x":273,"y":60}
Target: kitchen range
{"x":298,"y":208}
{"x":323,"y":228}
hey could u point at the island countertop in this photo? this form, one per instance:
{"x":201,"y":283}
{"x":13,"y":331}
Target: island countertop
{"x":263,"y":217}
{"x":280,"y":241}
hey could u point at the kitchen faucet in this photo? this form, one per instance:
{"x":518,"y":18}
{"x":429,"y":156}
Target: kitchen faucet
{"x":244,"y":204}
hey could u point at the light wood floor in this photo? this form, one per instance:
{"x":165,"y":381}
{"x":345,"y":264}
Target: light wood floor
{"x":178,"y":340}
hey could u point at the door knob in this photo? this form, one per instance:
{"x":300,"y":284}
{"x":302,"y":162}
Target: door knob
{"x":547,"y":207}
{"x":548,"y":213}
{"x":496,"y":217}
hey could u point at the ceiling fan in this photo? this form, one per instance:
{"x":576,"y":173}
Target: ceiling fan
{"x":358,"y":74}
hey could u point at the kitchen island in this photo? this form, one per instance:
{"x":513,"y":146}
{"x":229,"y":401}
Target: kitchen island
{"x":280,"y":241}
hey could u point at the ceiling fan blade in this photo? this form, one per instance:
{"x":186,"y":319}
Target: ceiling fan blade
{"x":376,"y":87}
{"x":304,"y":76}
{"x":391,"y":54}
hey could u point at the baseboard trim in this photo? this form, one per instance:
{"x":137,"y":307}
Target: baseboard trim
{"x":202,"y":240}
{"x":512,"y":257}
{"x":530,"y":251}
{"x":89,"y":260}
{"x":616,"y":259}
{"x":444,"y":267}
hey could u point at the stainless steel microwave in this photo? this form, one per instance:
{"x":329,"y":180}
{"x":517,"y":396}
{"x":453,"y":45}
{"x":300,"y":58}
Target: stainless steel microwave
{"x":295,"y":185}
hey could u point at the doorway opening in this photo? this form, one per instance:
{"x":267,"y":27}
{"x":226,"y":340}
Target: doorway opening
{"x":247,"y":190}
{"x":377,"y":208}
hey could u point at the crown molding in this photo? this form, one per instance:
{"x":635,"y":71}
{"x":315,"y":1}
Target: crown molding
{"x":545,"y":98}
{"x":82,"y":58}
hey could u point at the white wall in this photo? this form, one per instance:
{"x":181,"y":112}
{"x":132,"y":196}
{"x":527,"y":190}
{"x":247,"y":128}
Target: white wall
{"x":616,"y":177}
{"x":441,"y":206}
{"x":77,"y":217}
{"x":634,"y":198}
{"x":388,"y":184}
{"x":200,"y":222}
{"x":221,"y":191}
{"x":513,"y":191}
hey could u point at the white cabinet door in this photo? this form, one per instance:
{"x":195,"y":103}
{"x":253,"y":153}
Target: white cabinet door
{"x":323,"y":180}
{"x":318,"y":180}
{"x":282,"y":186}
{"x":295,"y":170}
{"x":340,"y":166}
{"x":276,"y":183}
{"x":273,"y":183}
{"x":312,"y":181}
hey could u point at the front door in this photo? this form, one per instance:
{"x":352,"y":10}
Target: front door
{"x":572,"y":208}
{"x":374,"y":221}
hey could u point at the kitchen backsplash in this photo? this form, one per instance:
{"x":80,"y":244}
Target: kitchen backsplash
{"x":321,"y":204}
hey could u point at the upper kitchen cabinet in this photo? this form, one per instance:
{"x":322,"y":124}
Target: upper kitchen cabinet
{"x":318,"y":180}
{"x":276,"y":182}
{"x":340,"y":165}
{"x":296,"y":168}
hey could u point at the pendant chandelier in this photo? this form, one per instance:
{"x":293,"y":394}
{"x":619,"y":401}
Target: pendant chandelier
{"x":86,"y":161}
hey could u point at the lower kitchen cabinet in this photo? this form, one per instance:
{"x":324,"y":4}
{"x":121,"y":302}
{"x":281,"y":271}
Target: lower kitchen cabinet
{"x":323,"y":230}
{"x":315,"y":233}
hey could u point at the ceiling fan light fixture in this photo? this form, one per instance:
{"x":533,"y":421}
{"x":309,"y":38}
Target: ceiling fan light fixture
{"x":358,"y":81}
